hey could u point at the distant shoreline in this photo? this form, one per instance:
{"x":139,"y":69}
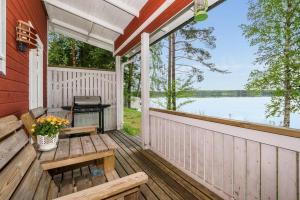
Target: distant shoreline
{"x":218,"y":93}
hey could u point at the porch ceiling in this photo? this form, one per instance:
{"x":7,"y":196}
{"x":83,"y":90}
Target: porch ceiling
{"x":97,"y":22}
{"x":117,"y":25}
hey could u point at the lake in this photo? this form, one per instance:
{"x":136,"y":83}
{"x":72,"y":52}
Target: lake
{"x":251,"y":109}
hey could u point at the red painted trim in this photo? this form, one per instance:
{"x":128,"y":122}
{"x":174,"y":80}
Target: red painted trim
{"x":171,"y":11}
{"x":147,"y":10}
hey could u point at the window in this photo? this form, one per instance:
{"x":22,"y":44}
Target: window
{"x":3,"y":37}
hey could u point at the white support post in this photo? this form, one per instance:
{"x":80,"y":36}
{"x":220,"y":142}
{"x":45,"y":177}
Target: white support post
{"x":145,"y":88}
{"x":119,"y":90}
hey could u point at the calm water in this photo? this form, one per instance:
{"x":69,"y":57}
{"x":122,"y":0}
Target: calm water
{"x":250,"y":109}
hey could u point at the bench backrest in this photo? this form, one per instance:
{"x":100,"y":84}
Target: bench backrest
{"x":21,"y":174}
{"x":29,"y":119}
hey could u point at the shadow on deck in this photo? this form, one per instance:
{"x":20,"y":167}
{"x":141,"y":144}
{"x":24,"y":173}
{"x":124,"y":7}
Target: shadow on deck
{"x":165,"y":180}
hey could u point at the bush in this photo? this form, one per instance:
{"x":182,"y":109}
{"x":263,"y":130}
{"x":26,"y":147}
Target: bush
{"x":132,"y":121}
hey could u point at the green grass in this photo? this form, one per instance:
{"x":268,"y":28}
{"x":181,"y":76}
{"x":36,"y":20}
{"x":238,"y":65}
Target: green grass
{"x":132,"y":121}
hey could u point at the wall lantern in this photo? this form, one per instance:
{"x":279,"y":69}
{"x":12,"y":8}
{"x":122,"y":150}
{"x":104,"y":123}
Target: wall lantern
{"x":200,"y":8}
{"x":26,"y":36}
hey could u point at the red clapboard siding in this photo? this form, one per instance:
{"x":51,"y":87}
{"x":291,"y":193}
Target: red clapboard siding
{"x":171,"y":11}
{"x":14,"y":87}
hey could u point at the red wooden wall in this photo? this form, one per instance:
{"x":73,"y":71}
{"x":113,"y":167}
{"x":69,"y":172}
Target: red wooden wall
{"x":14,"y":87}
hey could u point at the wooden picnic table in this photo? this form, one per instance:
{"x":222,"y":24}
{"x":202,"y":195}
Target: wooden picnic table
{"x":75,"y":150}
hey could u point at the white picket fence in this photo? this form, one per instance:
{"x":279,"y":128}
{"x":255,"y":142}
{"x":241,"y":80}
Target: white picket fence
{"x":233,"y":162}
{"x":65,"y":83}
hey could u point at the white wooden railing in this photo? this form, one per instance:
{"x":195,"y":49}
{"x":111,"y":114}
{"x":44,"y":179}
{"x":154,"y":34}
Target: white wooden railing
{"x":64,"y":83}
{"x":236,"y":160}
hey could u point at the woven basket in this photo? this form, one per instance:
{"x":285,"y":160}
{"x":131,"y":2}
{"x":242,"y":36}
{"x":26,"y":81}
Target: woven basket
{"x":47,"y":143}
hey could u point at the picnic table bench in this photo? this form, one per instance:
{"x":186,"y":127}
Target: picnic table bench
{"x":77,"y":150}
{"x":22,"y":175}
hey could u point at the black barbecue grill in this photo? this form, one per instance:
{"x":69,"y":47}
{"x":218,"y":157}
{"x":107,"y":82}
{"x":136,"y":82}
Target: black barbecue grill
{"x":88,"y":104}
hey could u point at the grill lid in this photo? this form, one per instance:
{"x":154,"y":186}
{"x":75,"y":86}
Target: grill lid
{"x":87,"y":100}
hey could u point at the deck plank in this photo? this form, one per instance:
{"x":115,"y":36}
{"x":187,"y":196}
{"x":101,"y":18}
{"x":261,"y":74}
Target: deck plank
{"x":87,"y":145}
{"x":108,"y":141}
{"x":151,"y":170}
{"x":177,"y":183}
{"x":126,"y":164}
{"x":176,"y":180}
{"x":98,"y":143}
{"x":75,"y":147}
{"x":165,"y":180}
{"x":180,"y":180}
{"x":63,"y":149}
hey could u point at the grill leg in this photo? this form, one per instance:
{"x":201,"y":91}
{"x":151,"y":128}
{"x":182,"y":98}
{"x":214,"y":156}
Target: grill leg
{"x":100,"y":125}
{"x":102,"y":118}
{"x":73,"y":119}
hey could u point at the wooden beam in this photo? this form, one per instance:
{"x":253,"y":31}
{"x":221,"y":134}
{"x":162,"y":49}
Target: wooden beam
{"x":79,"y":13}
{"x":110,"y":189}
{"x":139,"y":29}
{"x":83,"y":129}
{"x":241,"y":124}
{"x":46,"y":165}
{"x":83,"y":38}
{"x":81,"y":31}
{"x":119,"y":76}
{"x":145,"y":89}
{"x":125,"y":7}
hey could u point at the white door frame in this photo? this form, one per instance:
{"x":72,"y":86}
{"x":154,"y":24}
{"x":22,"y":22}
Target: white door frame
{"x":36,"y":97}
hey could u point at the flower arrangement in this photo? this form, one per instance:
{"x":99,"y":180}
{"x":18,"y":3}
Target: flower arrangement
{"x":49,"y":126}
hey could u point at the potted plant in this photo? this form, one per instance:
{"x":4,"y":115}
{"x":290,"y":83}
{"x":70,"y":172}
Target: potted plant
{"x":47,"y":129}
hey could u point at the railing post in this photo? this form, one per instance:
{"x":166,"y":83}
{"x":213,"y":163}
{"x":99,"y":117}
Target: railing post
{"x":145,"y":86}
{"x":119,"y":91}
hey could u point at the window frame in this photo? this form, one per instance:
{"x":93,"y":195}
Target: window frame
{"x":3,"y":37}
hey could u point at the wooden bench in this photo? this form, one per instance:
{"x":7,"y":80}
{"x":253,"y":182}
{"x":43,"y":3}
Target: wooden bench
{"x":30,"y":118}
{"x":22,"y":177}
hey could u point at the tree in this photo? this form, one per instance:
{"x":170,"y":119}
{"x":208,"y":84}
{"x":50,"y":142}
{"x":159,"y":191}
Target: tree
{"x":188,"y":54}
{"x":274,"y":27}
{"x":59,"y":51}
{"x":64,"y":51}
{"x":132,"y":79}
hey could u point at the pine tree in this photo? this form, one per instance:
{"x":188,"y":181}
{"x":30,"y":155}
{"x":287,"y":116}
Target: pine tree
{"x":188,"y":54}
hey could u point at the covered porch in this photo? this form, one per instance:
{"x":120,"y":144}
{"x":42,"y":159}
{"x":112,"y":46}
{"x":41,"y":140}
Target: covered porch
{"x":185,"y":156}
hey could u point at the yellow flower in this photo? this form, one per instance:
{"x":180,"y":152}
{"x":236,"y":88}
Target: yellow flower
{"x":52,"y":123}
{"x":32,"y":130}
{"x":33,"y":125}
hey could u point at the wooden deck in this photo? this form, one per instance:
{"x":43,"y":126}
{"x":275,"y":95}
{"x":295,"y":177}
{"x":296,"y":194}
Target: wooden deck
{"x":165,"y":180}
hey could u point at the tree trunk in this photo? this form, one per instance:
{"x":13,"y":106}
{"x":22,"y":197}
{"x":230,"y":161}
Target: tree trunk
{"x":287,"y":70}
{"x":138,"y":90}
{"x":169,"y":94}
{"x":173,"y":72}
{"x":129,"y":85}
{"x":73,"y":54}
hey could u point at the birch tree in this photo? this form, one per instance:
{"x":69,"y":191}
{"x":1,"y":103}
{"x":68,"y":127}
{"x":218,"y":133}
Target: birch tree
{"x":274,"y":28}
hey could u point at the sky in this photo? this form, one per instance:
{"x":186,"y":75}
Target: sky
{"x":232,"y":51}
